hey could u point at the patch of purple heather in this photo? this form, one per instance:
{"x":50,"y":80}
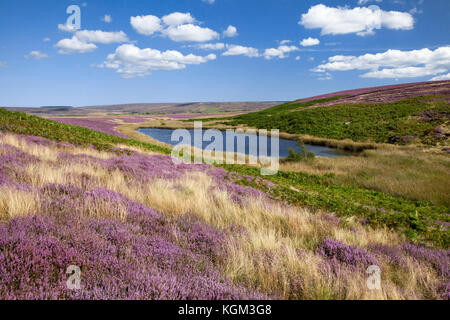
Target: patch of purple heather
{"x":104,"y":125}
{"x":202,"y":238}
{"x":393,"y":255}
{"x":136,"y":259}
{"x":386,"y":94}
{"x":438,"y":259}
{"x":351,"y":256}
{"x":37,"y":140}
{"x":445,"y":291}
{"x":144,"y":168}
{"x":330,"y":218}
{"x":11,"y":159}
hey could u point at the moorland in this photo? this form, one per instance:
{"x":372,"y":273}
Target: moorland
{"x":90,"y":191}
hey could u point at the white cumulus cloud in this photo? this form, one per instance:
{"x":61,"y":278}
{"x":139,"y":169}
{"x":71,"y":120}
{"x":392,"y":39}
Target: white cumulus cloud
{"x":177,"y":18}
{"x":146,"y":25}
{"x":441,"y":77}
{"x":230,"y":32}
{"x":236,"y":50}
{"x":179,"y":27}
{"x":36,"y":55}
{"x":211,"y":46}
{"x":280,"y":52}
{"x":209,"y":1}
{"x":393,"y":63}
{"x":98,"y":36}
{"x":360,"y":20}
{"x":131,"y":61}
{"x":190,"y":32}
{"x":74,"y":45}
{"x":66,"y":28}
{"x":308,"y":42}
{"x":84,"y":41}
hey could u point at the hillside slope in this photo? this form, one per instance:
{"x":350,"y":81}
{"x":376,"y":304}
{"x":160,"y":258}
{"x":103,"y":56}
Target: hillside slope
{"x":403,"y":114}
{"x":152,"y":108}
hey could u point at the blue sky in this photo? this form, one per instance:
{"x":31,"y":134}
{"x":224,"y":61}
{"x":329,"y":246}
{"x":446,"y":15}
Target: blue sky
{"x":222,"y":50}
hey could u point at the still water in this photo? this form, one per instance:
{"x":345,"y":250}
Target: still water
{"x":165,"y":135}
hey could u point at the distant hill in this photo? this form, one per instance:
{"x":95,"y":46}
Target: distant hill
{"x":153,"y":108}
{"x":400,"y":114}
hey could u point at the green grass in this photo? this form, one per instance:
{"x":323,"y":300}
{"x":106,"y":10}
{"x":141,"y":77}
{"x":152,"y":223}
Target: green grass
{"x":368,"y":122}
{"x":419,"y":220}
{"x":22,"y":123}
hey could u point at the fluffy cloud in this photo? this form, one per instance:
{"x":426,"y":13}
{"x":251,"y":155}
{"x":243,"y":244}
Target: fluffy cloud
{"x":83,"y":41}
{"x":177,"y":26}
{"x":103,"y":37}
{"x":107,"y":18}
{"x":441,"y":77}
{"x":212,"y":46}
{"x":280,"y":52}
{"x":190,"y":32}
{"x":308,"y":42}
{"x":230,"y":32}
{"x":235,"y":50}
{"x":131,"y":61}
{"x":393,"y":63}
{"x":46,"y":39}
{"x":36,"y":55}
{"x":177,"y":18}
{"x":146,"y":25}
{"x":285,"y":42}
{"x":74,"y":45}
{"x":66,"y":28}
{"x":359,"y":20}
{"x":209,"y":1}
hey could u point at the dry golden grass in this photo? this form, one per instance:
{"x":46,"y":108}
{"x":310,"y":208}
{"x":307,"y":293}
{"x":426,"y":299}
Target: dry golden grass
{"x":17,"y":203}
{"x":403,"y":172}
{"x":50,"y":153}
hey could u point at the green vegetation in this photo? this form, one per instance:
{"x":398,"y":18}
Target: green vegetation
{"x":22,"y":123}
{"x":358,"y":122}
{"x":420,"y":221}
{"x":302,"y":155}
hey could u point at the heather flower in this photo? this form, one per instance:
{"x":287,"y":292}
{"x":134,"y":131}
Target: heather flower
{"x":438,"y":259}
{"x":119,"y":260}
{"x":393,"y":255}
{"x":351,"y":256}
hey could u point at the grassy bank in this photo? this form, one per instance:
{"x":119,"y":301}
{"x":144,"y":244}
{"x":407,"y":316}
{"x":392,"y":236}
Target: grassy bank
{"x":357,"y":122}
